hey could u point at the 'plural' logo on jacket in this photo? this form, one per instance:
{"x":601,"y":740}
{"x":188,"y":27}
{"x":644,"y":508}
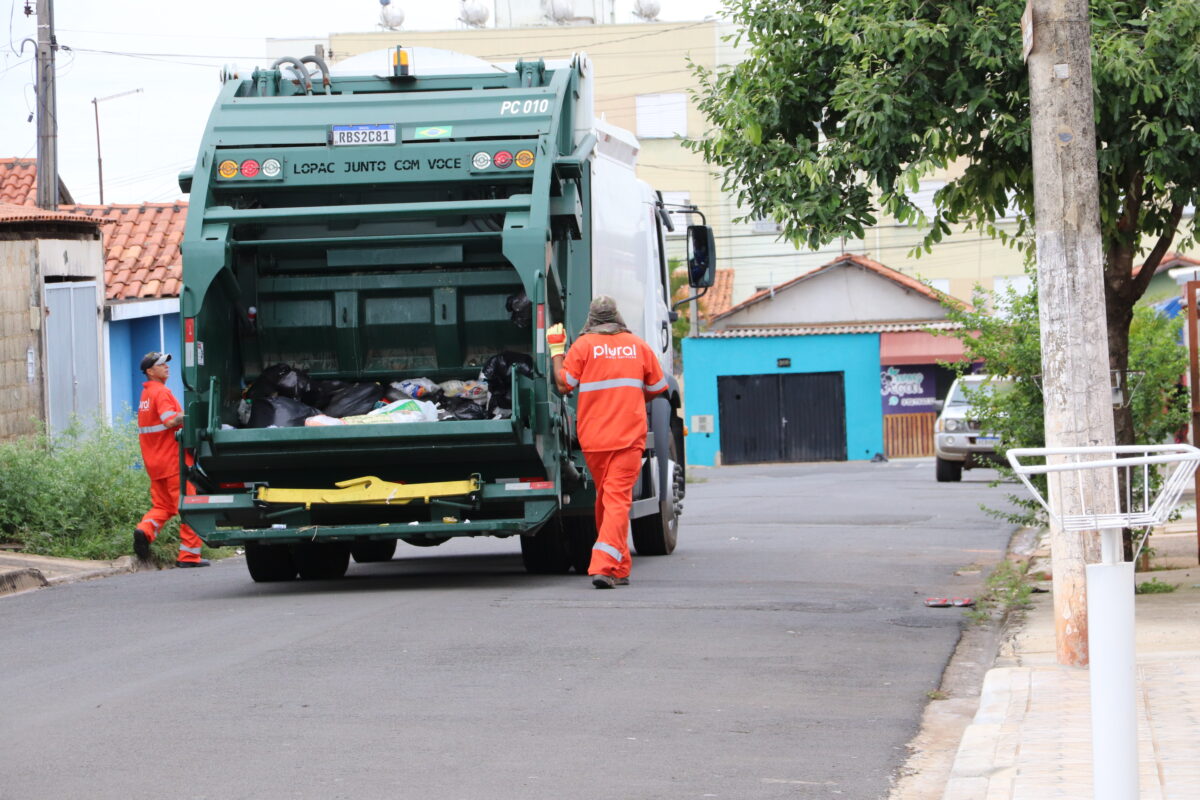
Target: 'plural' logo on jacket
{"x":608,"y":351}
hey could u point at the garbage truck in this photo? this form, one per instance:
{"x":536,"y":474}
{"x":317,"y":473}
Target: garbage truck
{"x":370,"y":263}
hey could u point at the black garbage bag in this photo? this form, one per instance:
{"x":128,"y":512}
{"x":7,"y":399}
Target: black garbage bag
{"x":320,"y":392}
{"x":283,"y":380}
{"x":282,"y":412}
{"x":497,"y":372}
{"x":461,"y":408}
{"x":355,"y":399}
{"x":520,"y":309}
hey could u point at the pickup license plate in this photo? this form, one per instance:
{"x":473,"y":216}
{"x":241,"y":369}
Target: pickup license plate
{"x":988,"y":440}
{"x":363,"y":134}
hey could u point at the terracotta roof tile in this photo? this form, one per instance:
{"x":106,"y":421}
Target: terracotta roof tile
{"x":18,"y":177}
{"x":142,"y":256}
{"x":141,"y":242}
{"x":16,"y":214}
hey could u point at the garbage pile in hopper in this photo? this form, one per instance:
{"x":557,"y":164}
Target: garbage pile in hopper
{"x":285,"y":396}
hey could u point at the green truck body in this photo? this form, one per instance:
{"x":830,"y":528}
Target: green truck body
{"x":374,"y":228}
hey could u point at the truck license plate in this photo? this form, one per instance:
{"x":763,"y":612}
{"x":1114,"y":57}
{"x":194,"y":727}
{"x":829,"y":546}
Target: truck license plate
{"x":363,"y":134}
{"x":993,"y":440}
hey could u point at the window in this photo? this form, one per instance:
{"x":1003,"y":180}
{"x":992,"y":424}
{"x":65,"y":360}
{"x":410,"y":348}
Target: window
{"x":661,"y":116}
{"x":672,"y":200}
{"x":765,"y":225}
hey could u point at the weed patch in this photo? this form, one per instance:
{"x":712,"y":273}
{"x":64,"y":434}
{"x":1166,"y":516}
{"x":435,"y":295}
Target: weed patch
{"x":1155,"y":586}
{"x":78,"y":494}
{"x":1007,"y":589}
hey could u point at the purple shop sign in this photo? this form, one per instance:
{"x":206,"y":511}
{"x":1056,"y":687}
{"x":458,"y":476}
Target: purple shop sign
{"x":908,"y":390}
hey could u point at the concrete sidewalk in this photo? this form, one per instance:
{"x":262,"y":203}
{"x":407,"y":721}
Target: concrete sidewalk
{"x":21,"y":573}
{"x":1031,"y":737}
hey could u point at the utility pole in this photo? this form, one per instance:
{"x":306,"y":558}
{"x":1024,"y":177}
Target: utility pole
{"x":1075,"y":371}
{"x":47,"y":118}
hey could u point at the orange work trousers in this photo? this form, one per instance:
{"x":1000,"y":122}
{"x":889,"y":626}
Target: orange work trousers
{"x":164,"y":504}
{"x":614,"y":472}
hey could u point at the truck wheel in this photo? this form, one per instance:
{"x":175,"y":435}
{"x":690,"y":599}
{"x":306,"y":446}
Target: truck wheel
{"x":657,"y":534}
{"x":581,"y":535}
{"x":949,"y":471}
{"x":545,"y":553}
{"x":373,"y":551}
{"x":268,"y":563}
{"x":319,"y":561}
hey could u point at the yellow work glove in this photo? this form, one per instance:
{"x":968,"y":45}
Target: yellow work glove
{"x":556,"y":339}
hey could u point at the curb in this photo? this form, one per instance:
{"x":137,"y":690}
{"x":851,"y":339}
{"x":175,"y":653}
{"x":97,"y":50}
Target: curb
{"x":22,"y":580}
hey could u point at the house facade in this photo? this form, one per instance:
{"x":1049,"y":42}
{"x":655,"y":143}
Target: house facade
{"x":837,"y":364}
{"x":137,"y":271}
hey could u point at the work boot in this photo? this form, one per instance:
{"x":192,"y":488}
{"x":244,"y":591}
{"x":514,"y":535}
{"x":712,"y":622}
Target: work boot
{"x":141,"y":545}
{"x":188,"y":564}
{"x":604,"y":581}
{"x":621,"y":581}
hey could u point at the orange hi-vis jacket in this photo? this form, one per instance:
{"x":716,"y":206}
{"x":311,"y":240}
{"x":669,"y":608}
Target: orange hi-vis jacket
{"x":614,"y":374}
{"x":160,"y":451}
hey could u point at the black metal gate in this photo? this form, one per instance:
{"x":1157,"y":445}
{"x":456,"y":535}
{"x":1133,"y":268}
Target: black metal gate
{"x":782,"y":417}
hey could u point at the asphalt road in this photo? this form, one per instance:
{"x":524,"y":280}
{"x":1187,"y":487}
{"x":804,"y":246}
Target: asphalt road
{"x":783,"y":651}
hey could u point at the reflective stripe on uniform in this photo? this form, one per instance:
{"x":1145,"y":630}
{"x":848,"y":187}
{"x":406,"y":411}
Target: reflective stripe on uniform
{"x":614,"y":383}
{"x":153,"y":429}
{"x":193,"y":550}
{"x":658,"y":387}
{"x":167,"y":415}
{"x":572,"y":381}
{"x":608,"y":548}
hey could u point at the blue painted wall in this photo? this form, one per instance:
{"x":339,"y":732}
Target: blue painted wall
{"x":856,"y":355}
{"x":128,"y":341}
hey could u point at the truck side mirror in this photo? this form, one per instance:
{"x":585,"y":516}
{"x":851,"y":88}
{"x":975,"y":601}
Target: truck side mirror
{"x":701,"y":257}
{"x":938,"y":405}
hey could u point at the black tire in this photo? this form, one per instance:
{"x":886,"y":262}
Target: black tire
{"x":269,"y":563}
{"x":373,"y":551}
{"x":581,"y":535}
{"x":545,"y":553}
{"x":321,"y":561}
{"x":657,"y":534}
{"x":425,"y":541}
{"x":949,"y":471}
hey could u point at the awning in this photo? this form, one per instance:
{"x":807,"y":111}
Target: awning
{"x":918,"y":347}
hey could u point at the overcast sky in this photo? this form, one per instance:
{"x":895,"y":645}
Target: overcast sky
{"x":173,"y":51}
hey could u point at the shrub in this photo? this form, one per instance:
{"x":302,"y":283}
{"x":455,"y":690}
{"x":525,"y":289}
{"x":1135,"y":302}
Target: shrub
{"x":78,"y":494}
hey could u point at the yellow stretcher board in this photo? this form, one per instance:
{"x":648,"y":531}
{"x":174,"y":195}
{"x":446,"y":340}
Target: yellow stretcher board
{"x":370,"y":490}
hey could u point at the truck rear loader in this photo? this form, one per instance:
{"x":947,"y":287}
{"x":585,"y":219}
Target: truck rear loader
{"x":399,"y":223}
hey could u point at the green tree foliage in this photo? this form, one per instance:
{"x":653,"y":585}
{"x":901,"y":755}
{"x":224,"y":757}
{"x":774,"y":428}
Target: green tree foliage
{"x":841,"y":106}
{"x":1009,"y":344}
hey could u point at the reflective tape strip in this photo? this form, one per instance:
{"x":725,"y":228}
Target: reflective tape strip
{"x":157,"y":526}
{"x":657,"y":387}
{"x":572,"y":381}
{"x":608,"y":548}
{"x":615,"y":383}
{"x":168,"y":415}
{"x":153,"y":429}
{"x":193,"y":550}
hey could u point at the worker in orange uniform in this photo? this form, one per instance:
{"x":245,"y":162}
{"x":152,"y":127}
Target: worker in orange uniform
{"x":159,"y":414}
{"x":615,"y":373}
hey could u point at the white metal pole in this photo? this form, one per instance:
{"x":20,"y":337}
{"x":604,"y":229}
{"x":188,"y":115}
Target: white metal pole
{"x":1113,"y":671}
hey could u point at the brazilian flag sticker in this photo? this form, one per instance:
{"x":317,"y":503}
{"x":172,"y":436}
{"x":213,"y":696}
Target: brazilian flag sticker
{"x":435,"y":132}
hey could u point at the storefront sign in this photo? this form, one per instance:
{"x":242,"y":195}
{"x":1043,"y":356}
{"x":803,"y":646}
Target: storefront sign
{"x":908,"y":390}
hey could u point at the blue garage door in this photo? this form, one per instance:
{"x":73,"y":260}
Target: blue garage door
{"x":782,"y":417}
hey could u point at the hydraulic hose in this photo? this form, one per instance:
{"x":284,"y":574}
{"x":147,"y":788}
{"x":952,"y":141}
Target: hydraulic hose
{"x":300,"y":70}
{"x":321,"y":65}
